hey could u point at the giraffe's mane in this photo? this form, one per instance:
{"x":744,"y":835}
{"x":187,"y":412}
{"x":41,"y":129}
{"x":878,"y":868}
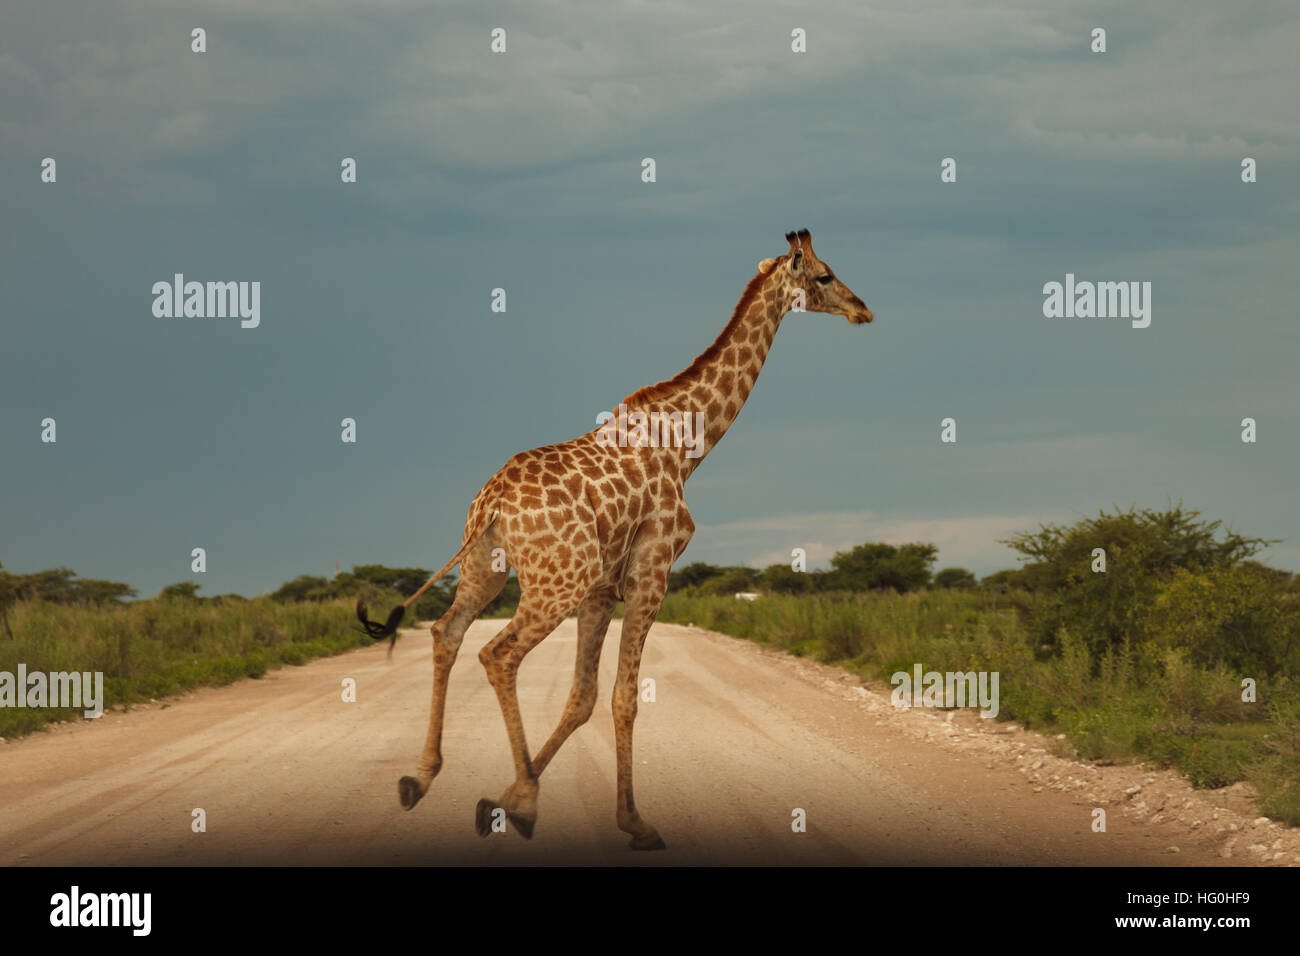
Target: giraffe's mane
{"x":691,"y":373}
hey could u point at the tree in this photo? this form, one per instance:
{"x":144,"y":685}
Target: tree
{"x":692,"y":575}
{"x":53,"y":585}
{"x":364,"y":579}
{"x":304,"y":587}
{"x":1242,"y":616}
{"x":8,"y":595}
{"x":1142,"y":549}
{"x":783,"y":579}
{"x":401,"y":580}
{"x":730,"y":581}
{"x":954,"y":578}
{"x":436,"y":601}
{"x":87,"y":591}
{"x":1003,"y":581}
{"x":57,"y":586}
{"x":184,"y":591}
{"x":874,"y":565}
{"x":820,"y":581}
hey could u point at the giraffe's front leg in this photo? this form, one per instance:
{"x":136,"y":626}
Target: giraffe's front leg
{"x":644,"y":587}
{"x":641,"y":610}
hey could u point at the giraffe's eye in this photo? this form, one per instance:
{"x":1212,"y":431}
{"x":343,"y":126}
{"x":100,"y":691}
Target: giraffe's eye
{"x":824,"y":279}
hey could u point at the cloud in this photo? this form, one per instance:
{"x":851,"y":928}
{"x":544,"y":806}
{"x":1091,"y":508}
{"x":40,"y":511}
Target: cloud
{"x":609,"y":83}
{"x":522,"y":170}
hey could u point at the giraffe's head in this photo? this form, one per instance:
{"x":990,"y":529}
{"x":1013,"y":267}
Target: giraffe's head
{"x":800,"y":269}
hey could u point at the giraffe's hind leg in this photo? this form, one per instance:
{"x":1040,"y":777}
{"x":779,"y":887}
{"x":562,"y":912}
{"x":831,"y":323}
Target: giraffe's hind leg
{"x":594,"y":615}
{"x":501,"y":656}
{"x":477,"y":586}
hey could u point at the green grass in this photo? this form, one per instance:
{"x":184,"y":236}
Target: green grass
{"x":157,"y":648}
{"x":1132,"y":704}
{"x":1138,"y":703}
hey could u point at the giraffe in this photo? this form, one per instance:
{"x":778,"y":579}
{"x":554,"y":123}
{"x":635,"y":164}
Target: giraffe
{"x":598,"y":519}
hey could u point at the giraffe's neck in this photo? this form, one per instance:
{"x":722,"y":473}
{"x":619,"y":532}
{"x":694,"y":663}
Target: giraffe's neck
{"x":713,"y":388}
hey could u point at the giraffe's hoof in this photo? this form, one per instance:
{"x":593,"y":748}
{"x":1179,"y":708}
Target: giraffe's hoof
{"x":523,"y":824}
{"x":652,"y":842}
{"x":409,"y":792}
{"x":483,"y":815}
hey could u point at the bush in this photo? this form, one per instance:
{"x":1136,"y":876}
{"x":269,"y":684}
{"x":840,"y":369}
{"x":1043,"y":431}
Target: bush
{"x":1245,"y":616}
{"x":954,"y":578}
{"x":1277,"y":773}
{"x":367,"y":581}
{"x":163,"y":646}
{"x":730,"y":581}
{"x":1123,"y":702}
{"x":783,"y":579}
{"x":877,"y":566}
{"x":1143,"y":550}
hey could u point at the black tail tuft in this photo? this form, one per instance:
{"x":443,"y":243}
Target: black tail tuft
{"x":380,"y":631}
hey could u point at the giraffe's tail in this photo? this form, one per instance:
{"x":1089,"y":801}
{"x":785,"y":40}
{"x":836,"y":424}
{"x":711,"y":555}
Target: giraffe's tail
{"x":381,"y":631}
{"x":388,"y":629}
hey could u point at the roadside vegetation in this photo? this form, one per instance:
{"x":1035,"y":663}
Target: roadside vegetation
{"x":1183,"y":652}
{"x":1151,"y":660}
{"x":53,"y":621}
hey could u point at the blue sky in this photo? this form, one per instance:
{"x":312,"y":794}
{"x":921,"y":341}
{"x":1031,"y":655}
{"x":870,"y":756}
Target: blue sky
{"x":522,"y":171}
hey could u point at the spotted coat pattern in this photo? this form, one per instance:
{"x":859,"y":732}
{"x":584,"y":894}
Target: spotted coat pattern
{"x":586,"y":523}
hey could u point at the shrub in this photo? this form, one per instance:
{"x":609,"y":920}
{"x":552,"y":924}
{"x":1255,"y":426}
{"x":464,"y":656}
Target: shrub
{"x":1243,"y":616}
{"x":954,"y":578}
{"x":1143,"y":550}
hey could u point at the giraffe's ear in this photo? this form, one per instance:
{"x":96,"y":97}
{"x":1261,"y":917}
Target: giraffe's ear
{"x":765,"y":266}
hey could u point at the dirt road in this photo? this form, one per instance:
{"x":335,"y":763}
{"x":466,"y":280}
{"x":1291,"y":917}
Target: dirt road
{"x":737,"y":739}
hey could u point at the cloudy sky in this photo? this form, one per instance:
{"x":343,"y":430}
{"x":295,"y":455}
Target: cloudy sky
{"x":522,"y":171}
